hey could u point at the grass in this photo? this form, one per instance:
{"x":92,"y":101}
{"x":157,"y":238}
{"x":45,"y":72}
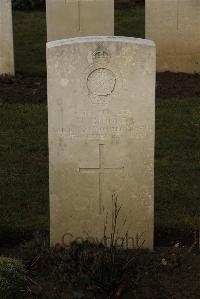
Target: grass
{"x":130,"y":22}
{"x":24,"y":170}
{"x":13,"y":277}
{"x":30,"y":42}
{"x":177,"y":166}
{"x":24,"y":194}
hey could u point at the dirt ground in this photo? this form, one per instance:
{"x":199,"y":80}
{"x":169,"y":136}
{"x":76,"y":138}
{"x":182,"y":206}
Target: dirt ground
{"x":177,"y":85}
{"x":33,"y":89}
{"x":30,"y":90}
{"x":90,"y":272}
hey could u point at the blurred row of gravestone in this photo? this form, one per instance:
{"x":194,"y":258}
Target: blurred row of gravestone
{"x":101,"y":107}
{"x":6,"y":38}
{"x":174,"y":25}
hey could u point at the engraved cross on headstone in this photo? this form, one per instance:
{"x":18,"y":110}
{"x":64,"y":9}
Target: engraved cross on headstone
{"x":100,"y":170}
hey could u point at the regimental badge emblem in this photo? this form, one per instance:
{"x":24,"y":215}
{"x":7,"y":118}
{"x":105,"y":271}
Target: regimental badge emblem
{"x":102,"y":77}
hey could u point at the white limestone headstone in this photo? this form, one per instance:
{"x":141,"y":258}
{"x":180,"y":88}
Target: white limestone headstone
{"x":101,"y":94}
{"x":6,"y":38}
{"x":72,"y":18}
{"x":174,"y":25}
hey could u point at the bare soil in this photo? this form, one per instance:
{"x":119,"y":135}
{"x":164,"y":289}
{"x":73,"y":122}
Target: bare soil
{"x":177,"y":85}
{"x":92,"y":272}
{"x":33,"y":90}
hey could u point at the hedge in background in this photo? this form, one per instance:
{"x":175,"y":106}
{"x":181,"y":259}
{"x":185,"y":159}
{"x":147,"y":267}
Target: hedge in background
{"x":40,"y":4}
{"x":28,"y":4}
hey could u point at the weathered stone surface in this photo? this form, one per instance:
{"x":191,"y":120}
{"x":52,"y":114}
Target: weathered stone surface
{"x":174,"y":25}
{"x":101,"y":93}
{"x":72,"y":18}
{"x":6,"y":38}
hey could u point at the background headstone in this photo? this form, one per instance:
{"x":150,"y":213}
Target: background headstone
{"x":6,"y":38}
{"x":174,"y":25}
{"x":101,"y":94}
{"x":71,"y":18}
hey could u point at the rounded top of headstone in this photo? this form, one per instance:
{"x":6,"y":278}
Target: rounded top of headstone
{"x":88,"y":39}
